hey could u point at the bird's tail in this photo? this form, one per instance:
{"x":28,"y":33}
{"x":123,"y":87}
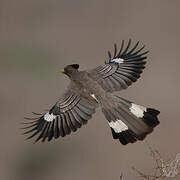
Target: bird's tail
{"x":128,"y":121}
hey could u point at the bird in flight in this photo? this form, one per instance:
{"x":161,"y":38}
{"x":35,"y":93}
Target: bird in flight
{"x":90,"y":89}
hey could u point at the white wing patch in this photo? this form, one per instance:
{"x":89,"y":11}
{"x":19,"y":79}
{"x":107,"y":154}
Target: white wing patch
{"x":138,"y":110}
{"x":118,"y":126}
{"x":49,"y":117}
{"x":118,"y":60}
{"x":92,"y":95}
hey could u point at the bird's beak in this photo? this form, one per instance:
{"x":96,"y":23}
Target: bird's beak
{"x":62,"y":71}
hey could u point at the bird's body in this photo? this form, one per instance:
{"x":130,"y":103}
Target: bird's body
{"x":84,"y":83}
{"x":94,"y":88}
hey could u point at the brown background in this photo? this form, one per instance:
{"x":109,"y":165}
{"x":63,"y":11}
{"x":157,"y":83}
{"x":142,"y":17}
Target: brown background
{"x":38,"y":38}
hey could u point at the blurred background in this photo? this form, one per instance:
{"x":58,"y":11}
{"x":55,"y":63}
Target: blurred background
{"x":40,"y":37}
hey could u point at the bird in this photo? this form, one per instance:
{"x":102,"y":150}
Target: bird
{"x":90,"y":89}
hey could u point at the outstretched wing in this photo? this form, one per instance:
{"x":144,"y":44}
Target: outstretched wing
{"x":122,"y":69}
{"x":70,"y":112}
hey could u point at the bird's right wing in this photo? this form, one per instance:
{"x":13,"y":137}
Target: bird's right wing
{"x":122,"y":69}
{"x":70,"y":112}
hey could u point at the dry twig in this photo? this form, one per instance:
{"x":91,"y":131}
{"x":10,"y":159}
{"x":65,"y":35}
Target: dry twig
{"x":162,"y":169}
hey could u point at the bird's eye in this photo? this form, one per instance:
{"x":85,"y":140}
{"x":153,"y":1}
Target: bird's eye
{"x":76,"y":66}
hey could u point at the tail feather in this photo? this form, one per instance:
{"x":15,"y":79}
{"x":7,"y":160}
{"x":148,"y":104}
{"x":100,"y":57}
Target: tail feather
{"x":150,"y":117}
{"x":130,"y":122}
{"x":124,"y":137}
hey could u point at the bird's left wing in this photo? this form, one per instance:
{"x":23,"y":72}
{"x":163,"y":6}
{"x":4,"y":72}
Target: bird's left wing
{"x":122,"y":69}
{"x":70,"y":112}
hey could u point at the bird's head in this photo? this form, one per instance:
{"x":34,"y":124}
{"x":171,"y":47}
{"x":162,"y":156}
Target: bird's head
{"x":70,"y":69}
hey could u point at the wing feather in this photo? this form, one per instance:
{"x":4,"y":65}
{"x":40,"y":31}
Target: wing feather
{"x":69,"y":113}
{"x":125,"y":67}
{"x":64,"y":124}
{"x":56,"y":129}
{"x":75,"y":120}
{"x":45,"y":134}
{"x":51,"y":131}
{"x":42,"y":132}
{"x":60,"y":124}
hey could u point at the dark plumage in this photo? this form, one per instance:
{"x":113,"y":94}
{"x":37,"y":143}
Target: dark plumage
{"x":87,"y":90}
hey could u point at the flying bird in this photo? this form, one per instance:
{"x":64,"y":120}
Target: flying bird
{"x":90,"y":89}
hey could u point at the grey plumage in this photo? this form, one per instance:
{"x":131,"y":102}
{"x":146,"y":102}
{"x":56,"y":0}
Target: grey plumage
{"x":90,"y":89}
